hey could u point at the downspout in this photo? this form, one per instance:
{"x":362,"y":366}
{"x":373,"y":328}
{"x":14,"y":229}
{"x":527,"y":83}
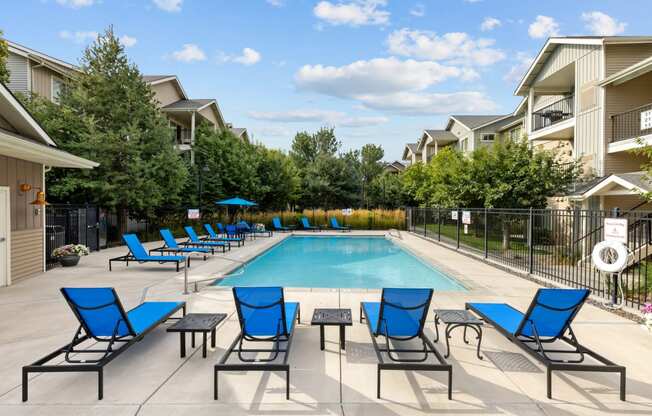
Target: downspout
{"x":46,"y":169}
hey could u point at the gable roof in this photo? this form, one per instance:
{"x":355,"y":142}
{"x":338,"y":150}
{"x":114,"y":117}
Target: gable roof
{"x":159,"y":79}
{"x":31,"y":142}
{"x":553,"y":42}
{"x":396,"y":166}
{"x":190,"y":105}
{"x":55,"y":64}
{"x":634,"y":71}
{"x":472,"y":122}
{"x":240,"y":133}
{"x":633,"y":182}
{"x":411,"y":148}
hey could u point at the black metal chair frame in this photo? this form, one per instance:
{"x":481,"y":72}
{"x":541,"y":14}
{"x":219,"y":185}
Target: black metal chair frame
{"x":239,"y":241}
{"x":90,"y":365}
{"x":165,"y":249}
{"x":264,"y":364}
{"x":130,"y":257}
{"x":403,"y":364}
{"x":202,"y":244}
{"x":540,"y":353}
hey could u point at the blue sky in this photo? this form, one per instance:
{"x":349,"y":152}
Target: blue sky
{"x":379,"y":71}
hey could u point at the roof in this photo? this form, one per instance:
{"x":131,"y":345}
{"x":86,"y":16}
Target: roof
{"x":633,"y":182}
{"x":553,"y":42}
{"x":32,"y":143}
{"x":439,"y":136}
{"x":412,"y":148}
{"x":238,"y":131}
{"x":190,"y":105}
{"x":39,"y":56}
{"x":474,"y":121}
{"x":159,"y":79}
{"x":634,"y":71}
{"x":396,"y":166}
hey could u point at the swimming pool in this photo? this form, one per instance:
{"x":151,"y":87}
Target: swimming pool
{"x":339,"y":262}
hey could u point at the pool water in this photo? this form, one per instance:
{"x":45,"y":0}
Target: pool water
{"x":339,"y":262}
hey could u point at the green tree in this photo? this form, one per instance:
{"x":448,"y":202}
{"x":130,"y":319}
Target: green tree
{"x":4,"y":54}
{"x":387,"y":191}
{"x":107,"y":114}
{"x":306,"y":147}
{"x":370,"y":167}
{"x":279,"y":179}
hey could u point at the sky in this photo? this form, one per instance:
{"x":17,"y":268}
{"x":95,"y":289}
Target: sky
{"x":378,"y":71}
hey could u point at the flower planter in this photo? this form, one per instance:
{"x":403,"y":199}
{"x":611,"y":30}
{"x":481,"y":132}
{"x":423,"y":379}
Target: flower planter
{"x":69,"y":261}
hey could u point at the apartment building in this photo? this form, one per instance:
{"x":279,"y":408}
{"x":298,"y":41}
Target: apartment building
{"x":411,"y":154}
{"x":33,"y":72}
{"x":593,"y":96}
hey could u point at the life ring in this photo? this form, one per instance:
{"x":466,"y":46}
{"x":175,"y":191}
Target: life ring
{"x":621,"y":256}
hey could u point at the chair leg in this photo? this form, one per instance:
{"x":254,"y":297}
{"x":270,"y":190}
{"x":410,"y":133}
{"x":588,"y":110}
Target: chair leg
{"x":215,"y":394}
{"x":378,"y":384}
{"x":549,"y":383}
{"x":622,"y":384}
{"x":287,"y":384}
{"x":25,"y":381}
{"x":100,"y":384}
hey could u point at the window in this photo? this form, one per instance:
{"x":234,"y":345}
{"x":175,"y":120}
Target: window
{"x":488,"y":137}
{"x":463,"y":145}
{"x":515,"y":134}
{"x":57,"y":86}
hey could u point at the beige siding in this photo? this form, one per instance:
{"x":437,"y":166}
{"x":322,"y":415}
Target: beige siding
{"x":464,"y":135}
{"x":42,"y":82}
{"x":26,"y":253}
{"x":166,"y":93}
{"x":618,"y":99}
{"x":624,"y":202}
{"x":588,"y":141}
{"x":619,"y":57}
{"x":541,"y":101}
{"x":13,"y":172}
{"x":4,"y":124}
{"x":209,"y":114}
{"x":562,"y":56}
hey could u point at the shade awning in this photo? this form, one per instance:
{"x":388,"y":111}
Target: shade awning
{"x":239,"y":202}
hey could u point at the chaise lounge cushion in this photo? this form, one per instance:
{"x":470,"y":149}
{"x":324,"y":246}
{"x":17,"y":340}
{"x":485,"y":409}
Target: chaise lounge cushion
{"x":501,"y":314}
{"x":403,"y":324}
{"x":148,"y":314}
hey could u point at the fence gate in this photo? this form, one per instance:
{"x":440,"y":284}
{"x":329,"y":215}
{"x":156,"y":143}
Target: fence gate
{"x":70,"y":224}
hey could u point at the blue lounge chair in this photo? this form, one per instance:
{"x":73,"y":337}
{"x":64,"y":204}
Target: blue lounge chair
{"x":400,"y":316}
{"x":543,"y":327}
{"x":233,"y":231}
{"x":103,"y":322}
{"x":138,"y":254}
{"x":171,"y":246}
{"x":264,"y":317}
{"x":336,"y":226}
{"x":221,"y":230}
{"x":306,"y":225}
{"x":276,"y":222}
{"x":194,"y":240}
{"x":213,"y":236}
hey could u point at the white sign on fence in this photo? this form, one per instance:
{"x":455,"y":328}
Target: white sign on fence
{"x":466,"y":228}
{"x":646,"y":120}
{"x":615,"y":229}
{"x":454,"y":215}
{"x":466,"y":217}
{"x":347,"y":212}
{"x":193,"y":214}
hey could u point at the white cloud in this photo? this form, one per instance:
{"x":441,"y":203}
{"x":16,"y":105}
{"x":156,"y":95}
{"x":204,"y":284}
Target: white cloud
{"x":334,"y":118}
{"x":248,"y":57}
{"x":520,"y":67}
{"x":393,"y":85}
{"x":419,"y":10}
{"x":376,"y":76}
{"x":602,"y":24}
{"x":543,"y":27}
{"x":409,"y":103}
{"x":169,"y":5}
{"x":76,"y":4}
{"x":472,"y":1}
{"x":489,"y":23}
{"x":80,"y":36}
{"x":189,"y":53}
{"x":128,"y":41}
{"x":276,"y":3}
{"x":353,"y":13}
{"x":456,"y":47}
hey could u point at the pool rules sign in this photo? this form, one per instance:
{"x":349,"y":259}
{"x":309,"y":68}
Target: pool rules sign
{"x":615,"y":229}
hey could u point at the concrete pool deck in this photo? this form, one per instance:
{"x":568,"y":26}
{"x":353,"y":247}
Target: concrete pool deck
{"x":151,"y":379}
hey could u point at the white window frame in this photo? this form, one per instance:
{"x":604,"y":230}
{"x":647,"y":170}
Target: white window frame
{"x":493,"y":137}
{"x":53,"y":80}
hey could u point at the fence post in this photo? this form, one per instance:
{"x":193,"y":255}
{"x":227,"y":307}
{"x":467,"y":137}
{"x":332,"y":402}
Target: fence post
{"x":530,"y":242}
{"x":424,"y":221}
{"x":458,"y":227}
{"x":438,"y":224}
{"x":486,"y":245}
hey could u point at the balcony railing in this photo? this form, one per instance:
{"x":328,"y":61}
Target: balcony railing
{"x":631,"y":124}
{"x":554,"y":113}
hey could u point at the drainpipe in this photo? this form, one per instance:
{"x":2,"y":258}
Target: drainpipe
{"x":46,"y":169}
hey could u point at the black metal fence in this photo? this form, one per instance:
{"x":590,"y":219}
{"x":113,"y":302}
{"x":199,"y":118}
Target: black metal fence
{"x":628,"y":125}
{"x":554,"y":113}
{"x":70,"y":224}
{"x":553,"y":244}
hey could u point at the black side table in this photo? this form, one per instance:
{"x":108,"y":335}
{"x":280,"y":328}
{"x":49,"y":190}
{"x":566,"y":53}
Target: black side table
{"x":454,"y":318}
{"x":197,"y":322}
{"x":332,"y":317}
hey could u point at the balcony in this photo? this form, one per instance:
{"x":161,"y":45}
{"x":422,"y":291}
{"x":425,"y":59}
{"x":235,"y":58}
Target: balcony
{"x":632,"y":124}
{"x":554,"y":113}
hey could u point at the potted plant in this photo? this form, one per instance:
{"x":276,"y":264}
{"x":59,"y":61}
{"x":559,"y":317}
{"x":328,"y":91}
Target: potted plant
{"x":69,"y":254}
{"x":647,"y":315}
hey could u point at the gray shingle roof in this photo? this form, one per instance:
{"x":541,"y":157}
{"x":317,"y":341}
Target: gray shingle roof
{"x":237,"y":131}
{"x":412,"y":147}
{"x":194,"y":104}
{"x":475,"y":121}
{"x":441,"y":134}
{"x":154,"y":78}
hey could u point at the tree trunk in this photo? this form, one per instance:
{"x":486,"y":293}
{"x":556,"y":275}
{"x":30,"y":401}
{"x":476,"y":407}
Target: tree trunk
{"x":506,"y":235}
{"x":122,"y":218}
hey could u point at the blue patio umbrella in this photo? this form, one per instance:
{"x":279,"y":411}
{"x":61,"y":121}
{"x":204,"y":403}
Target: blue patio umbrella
{"x":235,"y":202}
